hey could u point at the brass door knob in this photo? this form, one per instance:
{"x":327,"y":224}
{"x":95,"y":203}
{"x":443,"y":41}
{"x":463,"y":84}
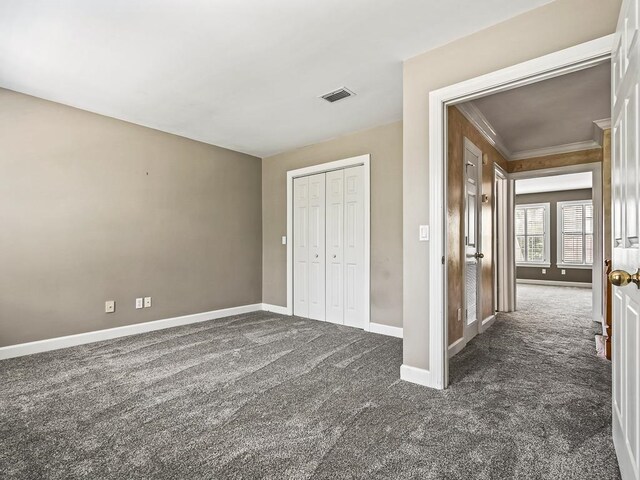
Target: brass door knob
{"x":479,"y":255}
{"x":620,"y":278}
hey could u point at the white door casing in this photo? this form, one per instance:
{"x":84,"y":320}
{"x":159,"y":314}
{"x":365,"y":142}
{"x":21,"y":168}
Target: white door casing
{"x":354,"y":247}
{"x":335,"y":246}
{"x":472,"y":159}
{"x":501,"y":234}
{"x":626,"y":254}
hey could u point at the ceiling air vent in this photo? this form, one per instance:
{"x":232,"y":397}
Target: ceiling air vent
{"x":338,"y":95}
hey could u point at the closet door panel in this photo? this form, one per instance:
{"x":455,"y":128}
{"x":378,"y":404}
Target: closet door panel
{"x":317,"y":243}
{"x":354,"y":246}
{"x":301,"y":246}
{"x":335,"y":246}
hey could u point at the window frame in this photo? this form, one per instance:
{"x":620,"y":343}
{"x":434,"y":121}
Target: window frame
{"x":546,"y":263}
{"x":559,"y":234}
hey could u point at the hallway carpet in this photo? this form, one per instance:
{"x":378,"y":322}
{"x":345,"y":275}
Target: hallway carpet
{"x":266,"y":396}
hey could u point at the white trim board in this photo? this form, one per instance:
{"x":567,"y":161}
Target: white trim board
{"x":556,"y":283}
{"x":478,"y":120}
{"x":267,"y":307}
{"x":555,"y":150}
{"x":57,"y":343}
{"x":419,"y":376}
{"x":487,"y":322}
{"x":456,"y":347}
{"x":385,"y":330}
{"x":548,"y":66}
{"x":364,"y":160}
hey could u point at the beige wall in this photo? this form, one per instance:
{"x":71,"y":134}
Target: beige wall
{"x":94,"y":209}
{"x":385,"y":146}
{"x":558,"y":25}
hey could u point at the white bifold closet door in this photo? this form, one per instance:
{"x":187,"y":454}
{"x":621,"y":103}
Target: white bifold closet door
{"x":309,"y":247}
{"x":354,"y":246}
{"x":329,"y":246}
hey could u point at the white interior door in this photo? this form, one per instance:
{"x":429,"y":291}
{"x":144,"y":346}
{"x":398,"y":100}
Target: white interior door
{"x":472,"y":159}
{"x":301,"y":246}
{"x":335,"y":246}
{"x":626,"y":256}
{"x":354,"y":247}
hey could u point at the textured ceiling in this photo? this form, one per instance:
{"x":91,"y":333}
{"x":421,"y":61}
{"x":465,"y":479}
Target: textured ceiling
{"x":553,"y":112}
{"x":240,"y":74}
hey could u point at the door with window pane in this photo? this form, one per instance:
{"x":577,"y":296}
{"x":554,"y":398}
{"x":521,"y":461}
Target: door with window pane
{"x":472,"y":235}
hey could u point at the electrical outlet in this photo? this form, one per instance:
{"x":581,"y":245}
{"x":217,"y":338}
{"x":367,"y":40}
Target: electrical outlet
{"x":147,"y":302}
{"x":563,"y":272}
{"x":139,"y":302}
{"x":284,"y":239}
{"x":109,"y":306}
{"x":544,"y":271}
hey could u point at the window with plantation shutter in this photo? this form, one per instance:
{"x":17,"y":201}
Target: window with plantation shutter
{"x":575,"y":233}
{"x":532,"y":234}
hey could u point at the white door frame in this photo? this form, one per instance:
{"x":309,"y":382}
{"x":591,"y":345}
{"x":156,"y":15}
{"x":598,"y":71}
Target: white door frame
{"x":597,"y":273}
{"x":504,"y":247}
{"x":365,"y":161}
{"x":552,"y":65}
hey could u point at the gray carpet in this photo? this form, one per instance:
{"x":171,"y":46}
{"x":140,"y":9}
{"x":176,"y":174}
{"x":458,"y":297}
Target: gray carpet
{"x":265,"y":396}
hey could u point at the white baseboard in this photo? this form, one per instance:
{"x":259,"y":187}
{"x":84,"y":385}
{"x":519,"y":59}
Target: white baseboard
{"x":267,"y":307}
{"x":456,"y":346}
{"x":419,"y":376}
{"x":555,"y":283}
{"x":385,"y":330}
{"x":124,"y":331}
{"x":487,"y":322}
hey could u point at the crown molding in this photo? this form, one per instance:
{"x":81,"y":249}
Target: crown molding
{"x":599,"y":126}
{"x":478,"y":120}
{"x":555,"y":150}
{"x":603,"y":124}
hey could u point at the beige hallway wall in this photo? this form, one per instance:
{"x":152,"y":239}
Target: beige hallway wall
{"x":95,"y":209}
{"x":555,"y":26}
{"x":385,"y":146}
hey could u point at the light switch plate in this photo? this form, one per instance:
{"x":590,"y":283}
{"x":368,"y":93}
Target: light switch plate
{"x":110,"y":306}
{"x":544,"y":271}
{"x":284,"y":239}
{"x":139,"y":302}
{"x":424,"y":233}
{"x":147,"y":302}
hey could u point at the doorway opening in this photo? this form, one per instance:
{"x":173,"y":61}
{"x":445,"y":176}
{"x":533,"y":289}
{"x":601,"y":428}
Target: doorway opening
{"x":574,"y":59}
{"x":546,"y":137}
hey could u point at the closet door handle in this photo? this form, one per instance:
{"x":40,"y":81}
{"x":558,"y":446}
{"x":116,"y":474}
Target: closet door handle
{"x":316,"y":255}
{"x":334,"y":256}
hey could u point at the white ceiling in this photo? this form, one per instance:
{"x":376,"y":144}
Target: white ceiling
{"x":243,"y":74}
{"x":555,"y":112}
{"x":556,"y":183}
